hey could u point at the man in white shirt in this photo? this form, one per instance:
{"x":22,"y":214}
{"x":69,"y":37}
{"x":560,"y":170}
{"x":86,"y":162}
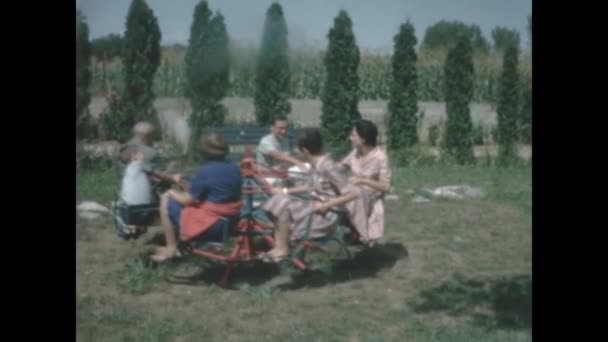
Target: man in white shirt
{"x":273,"y":150}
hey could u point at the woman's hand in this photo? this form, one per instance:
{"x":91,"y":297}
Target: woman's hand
{"x":171,"y":193}
{"x":320,"y":207}
{"x":279,"y":191}
{"x":356,"y":180}
{"x":178,"y":180}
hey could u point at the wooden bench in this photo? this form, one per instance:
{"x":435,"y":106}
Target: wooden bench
{"x":238,"y":138}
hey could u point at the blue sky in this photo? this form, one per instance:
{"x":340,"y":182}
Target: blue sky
{"x":375,"y":21}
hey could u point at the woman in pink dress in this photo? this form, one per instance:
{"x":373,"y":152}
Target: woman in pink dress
{"x":371,"y":170}
{"x":329,"y":188}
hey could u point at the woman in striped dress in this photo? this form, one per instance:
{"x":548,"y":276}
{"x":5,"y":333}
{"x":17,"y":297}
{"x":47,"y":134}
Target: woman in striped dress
{"x":329,"y":188}
{"x":370,"y":169}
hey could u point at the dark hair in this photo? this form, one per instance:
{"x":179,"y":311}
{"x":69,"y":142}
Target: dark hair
{"x":212,"y":146}
{"x":368,"y":131}
{"x":278,"y":117}
{"x":310,"y":138}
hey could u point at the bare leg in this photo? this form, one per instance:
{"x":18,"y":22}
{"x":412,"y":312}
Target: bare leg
{"x":171,"y":239}
{"x":281,"y":235}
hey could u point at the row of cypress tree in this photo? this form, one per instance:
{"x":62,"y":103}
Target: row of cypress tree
{"x":207,"y":80}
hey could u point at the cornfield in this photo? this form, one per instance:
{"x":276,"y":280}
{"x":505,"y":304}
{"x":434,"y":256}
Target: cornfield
{"x":308,"y":74}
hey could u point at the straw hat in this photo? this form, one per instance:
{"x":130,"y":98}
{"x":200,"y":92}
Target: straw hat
{"x":213,"y":144}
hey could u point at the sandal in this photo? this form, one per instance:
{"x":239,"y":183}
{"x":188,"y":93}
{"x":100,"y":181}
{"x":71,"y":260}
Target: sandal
{"x":163,"y":258}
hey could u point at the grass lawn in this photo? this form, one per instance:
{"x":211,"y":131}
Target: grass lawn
{"x":450,"y":270}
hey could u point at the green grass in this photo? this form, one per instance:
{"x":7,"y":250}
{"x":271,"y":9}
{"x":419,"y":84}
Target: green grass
{"x":118,"y":322}
{"x":98,"y":185}
{"x":511,"y":185}
{"x":449,"y":271}
{"x":140,"y":276}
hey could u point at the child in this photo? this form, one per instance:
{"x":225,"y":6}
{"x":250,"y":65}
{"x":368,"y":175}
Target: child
{"x":137,"y":197}
{"x":136,"y":188}
{"x":143,"y":138}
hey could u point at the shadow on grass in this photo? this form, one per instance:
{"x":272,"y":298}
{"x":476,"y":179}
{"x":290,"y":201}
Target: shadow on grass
{"x":253,"y":274}
{"x":504,"y":303}
{"x":365,"y":264}
{"x":209,"y":273}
